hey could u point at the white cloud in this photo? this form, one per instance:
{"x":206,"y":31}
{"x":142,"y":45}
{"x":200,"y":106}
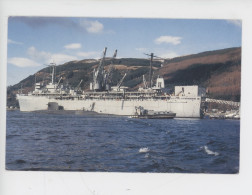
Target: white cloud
{"x":141,"y":49}
{"x":14,"y":42}
{"x":60,"y":58}
{"x":89,"y":54}
{"x":38,"y":55}
{"x":235,"y":22}
{"x":168,"y":39}
{"x":169,"y":55}
{"x":22,"y":62}
{"x":92,"y":26}
{"x":37,"y":58}
{"x":73,"y":46}
{"x":47,"y":57}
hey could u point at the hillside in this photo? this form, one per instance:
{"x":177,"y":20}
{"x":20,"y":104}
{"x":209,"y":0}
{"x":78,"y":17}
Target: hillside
{"x":218,"y":71}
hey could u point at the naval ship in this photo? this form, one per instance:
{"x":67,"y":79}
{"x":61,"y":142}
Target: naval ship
{"x":102,"y":98}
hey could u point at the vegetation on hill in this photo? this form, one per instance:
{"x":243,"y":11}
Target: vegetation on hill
{"x":218,"y":71}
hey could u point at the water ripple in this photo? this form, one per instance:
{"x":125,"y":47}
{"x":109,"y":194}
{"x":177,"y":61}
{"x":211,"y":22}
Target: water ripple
{"x":69,"y":142}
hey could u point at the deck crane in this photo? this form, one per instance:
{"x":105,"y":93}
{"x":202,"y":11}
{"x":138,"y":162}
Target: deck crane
{"x":102,"y":78}
{"x":108,"y":75}
{"x":121,"y":81}
{"x":78,"y":86}
{"x":59,"y":81}
{"x":99,"y":74}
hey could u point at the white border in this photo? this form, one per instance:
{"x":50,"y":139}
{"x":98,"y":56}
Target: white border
{"x":14,"y":182}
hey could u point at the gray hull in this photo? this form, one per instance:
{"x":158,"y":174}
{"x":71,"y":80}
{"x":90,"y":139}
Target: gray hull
{"x":182,"y":106}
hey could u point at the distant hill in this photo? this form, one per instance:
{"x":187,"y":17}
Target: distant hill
{"x":218,"y":71}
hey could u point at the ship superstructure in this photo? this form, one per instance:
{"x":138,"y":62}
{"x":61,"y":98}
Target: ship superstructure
{"x":116,"y":100}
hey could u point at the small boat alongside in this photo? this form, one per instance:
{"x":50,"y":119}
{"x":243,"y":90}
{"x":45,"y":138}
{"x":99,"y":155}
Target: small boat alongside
{"x":151,"y":114}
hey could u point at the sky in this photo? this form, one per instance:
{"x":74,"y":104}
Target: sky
{"x":34,"y":42}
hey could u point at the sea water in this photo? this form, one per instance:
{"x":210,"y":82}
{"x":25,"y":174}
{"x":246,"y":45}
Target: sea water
{"x":100,"y":143}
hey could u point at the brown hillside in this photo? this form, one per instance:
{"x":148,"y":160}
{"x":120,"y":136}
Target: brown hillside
{"x":225,"y":84}
{"x":218,"y":71}
{"x":170,"y":67}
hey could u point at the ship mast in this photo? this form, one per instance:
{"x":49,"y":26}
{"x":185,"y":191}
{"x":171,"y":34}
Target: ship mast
{"x":53,"y":65}
{"x":150,"y":76}
{"x":151,"y":72}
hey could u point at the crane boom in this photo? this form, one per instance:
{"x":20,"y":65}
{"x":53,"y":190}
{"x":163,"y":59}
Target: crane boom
{"x":121,"y":81}
{"x":59,"y":81}
{"x":109,"y":74}
{"x":79,"y":84}
{"x":101,"y":77}
{"x":101,"y":65}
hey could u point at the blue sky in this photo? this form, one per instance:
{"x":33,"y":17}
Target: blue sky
{"x":36,"y":41}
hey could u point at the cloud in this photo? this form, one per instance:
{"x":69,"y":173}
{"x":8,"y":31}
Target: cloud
{"x":169,"y":55}
{"x":88,"y":25}
{"x":92,"y":26}
{"x":89,"y":54}
{"x":73,"y":46}
{"x":14,"y":42}
{"x":38,"y":55}
{"x":237,"y":23}
{"x":141,"y":49}
{"x":37,"y":22}
{"x":47,"y":57}
{"x":22,"y":62}
{"x":168,"y":39}
{"x":60,"y":58}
